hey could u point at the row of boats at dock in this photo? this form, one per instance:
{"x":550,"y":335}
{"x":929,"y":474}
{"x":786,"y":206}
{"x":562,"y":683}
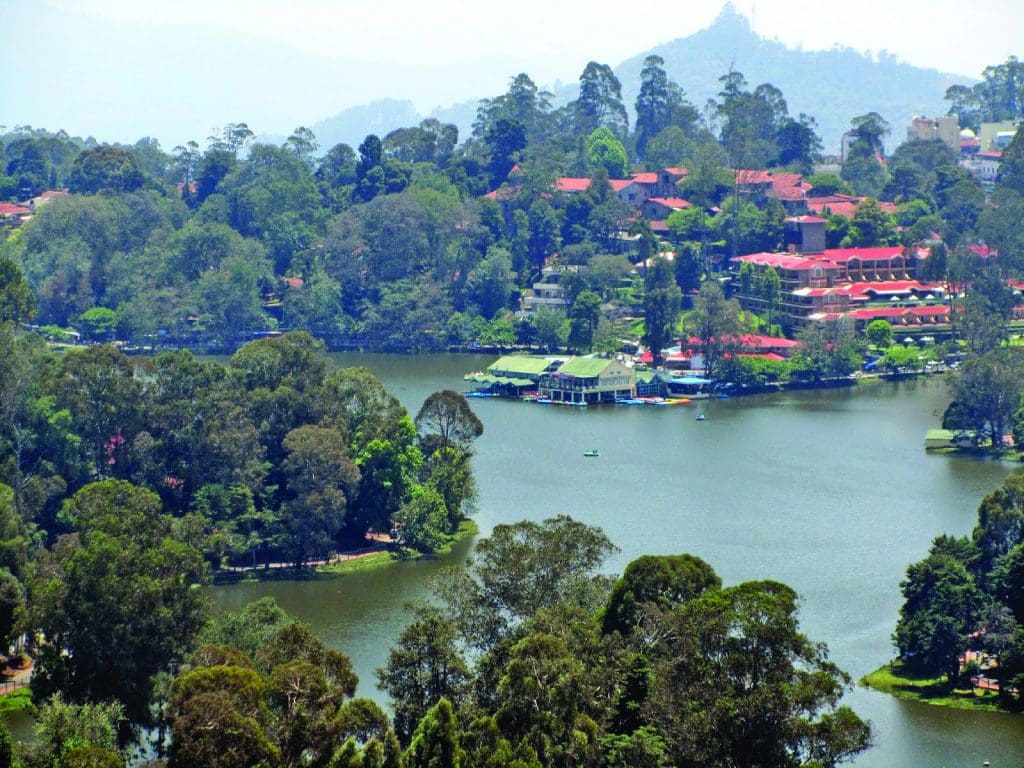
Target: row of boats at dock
{"x":533,"y":397}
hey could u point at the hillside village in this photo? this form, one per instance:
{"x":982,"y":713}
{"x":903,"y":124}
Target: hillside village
{"x":818,"y":283}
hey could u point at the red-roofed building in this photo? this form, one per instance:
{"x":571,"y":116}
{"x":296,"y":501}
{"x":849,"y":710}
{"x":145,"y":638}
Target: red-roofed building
{"x":843,"y":205}
{"x":648,"y":177}
{"x":572,"y":185}
{"x":10,"y":210}
{"x":835,"y":282}
{"x":790,"y":189}
{"x":660,"y":208}
{"x":934,"y":315}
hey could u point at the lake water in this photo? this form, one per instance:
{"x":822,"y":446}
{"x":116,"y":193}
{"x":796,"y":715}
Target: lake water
{"x":828,"y":491}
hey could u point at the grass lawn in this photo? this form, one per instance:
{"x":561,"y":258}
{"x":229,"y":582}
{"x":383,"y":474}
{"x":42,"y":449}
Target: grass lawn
{"x":466,"y":529}
{"x":16,"y":700}
{"x":892,"y":679}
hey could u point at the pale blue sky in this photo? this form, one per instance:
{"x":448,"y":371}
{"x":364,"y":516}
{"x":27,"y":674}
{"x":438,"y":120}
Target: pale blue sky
{"x":87,"y":65}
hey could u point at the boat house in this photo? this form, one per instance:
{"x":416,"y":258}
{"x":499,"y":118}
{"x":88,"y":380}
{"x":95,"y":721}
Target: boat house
{"x":513,"y":375}
{"x":588,"y":380}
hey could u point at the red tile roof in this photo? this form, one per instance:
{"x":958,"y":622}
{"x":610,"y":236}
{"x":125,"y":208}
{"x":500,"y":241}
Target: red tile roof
{"x":675,"y":203}
{"x":649,"y":177}
{"x":991,"y":155}
{"x":754,"y":341}
{"x":744,"y":176}
{"x":785,"y":261}
{"x":678,"y":171}
{"x":619,"y":184}
{"x":882,"y":287}
{"x":571,"y":184}
{"x":884,"y":253}
{"x":10,"y":209}
{"x":843,"y":205}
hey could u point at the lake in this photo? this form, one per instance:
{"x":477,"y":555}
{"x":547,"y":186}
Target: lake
{"x":828,"y":491}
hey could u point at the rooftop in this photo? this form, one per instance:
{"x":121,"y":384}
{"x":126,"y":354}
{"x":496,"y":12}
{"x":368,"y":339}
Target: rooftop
{"x":584,"y":366}
{"x":528,"y":365}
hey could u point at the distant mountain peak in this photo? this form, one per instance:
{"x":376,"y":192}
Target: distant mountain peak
{"x":732,"y":16}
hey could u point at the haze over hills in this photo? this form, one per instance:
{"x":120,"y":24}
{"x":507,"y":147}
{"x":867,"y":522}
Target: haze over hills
{"x":832,"y":86}
{"x":194,"y":79}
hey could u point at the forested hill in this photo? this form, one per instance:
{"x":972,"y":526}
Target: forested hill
{"x":830,"y":85}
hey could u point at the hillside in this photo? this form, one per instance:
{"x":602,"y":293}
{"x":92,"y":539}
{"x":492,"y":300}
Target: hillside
{"x":832,"y":85}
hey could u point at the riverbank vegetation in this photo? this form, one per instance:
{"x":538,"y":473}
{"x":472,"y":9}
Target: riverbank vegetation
{"x":126,"y":481}
{"x":895,"y":680}
{"x":270,"y":458}
{"x":530,"y":657}
{"x":960,"y":627}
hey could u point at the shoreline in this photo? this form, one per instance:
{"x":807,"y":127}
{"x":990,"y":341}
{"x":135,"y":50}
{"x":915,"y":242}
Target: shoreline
{"x":936,"y":691}
{"x":341,"y":563}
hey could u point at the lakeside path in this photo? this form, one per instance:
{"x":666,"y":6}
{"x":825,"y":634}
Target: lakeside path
{"x":381,"y":542}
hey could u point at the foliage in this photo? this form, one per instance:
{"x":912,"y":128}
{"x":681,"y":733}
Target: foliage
{"x":659,"y":582}
{"x":605,"y":151}
{"x":519,"y":569}
{"x":125,"y":564}
{"x":662,"y":299}
{"x":966,"y":593}
{"x":105,"y":169}
{"x":423,"y":668}
{"x":715,"y":323}
{"x":63,"y":729}
{"x":422,"y":520}
{"x":719,"y":639}
{"x":879,"y":333}
{"x":829,"y":350}
{"x":17,"y":304}
{"x":289,"y":705}
{"x":445,"y":420}
{"x":987,"y":388}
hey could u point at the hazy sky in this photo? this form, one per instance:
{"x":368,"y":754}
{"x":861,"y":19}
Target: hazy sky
{"x":433,"y":52}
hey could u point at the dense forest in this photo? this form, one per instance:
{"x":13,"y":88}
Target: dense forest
{"x":393,"y":244}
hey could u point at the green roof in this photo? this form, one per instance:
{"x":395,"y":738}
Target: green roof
{"x":584,"y":366}
{"x":526,"y":365}
{"x":645,"y":377}
{"x":940,"y":434}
